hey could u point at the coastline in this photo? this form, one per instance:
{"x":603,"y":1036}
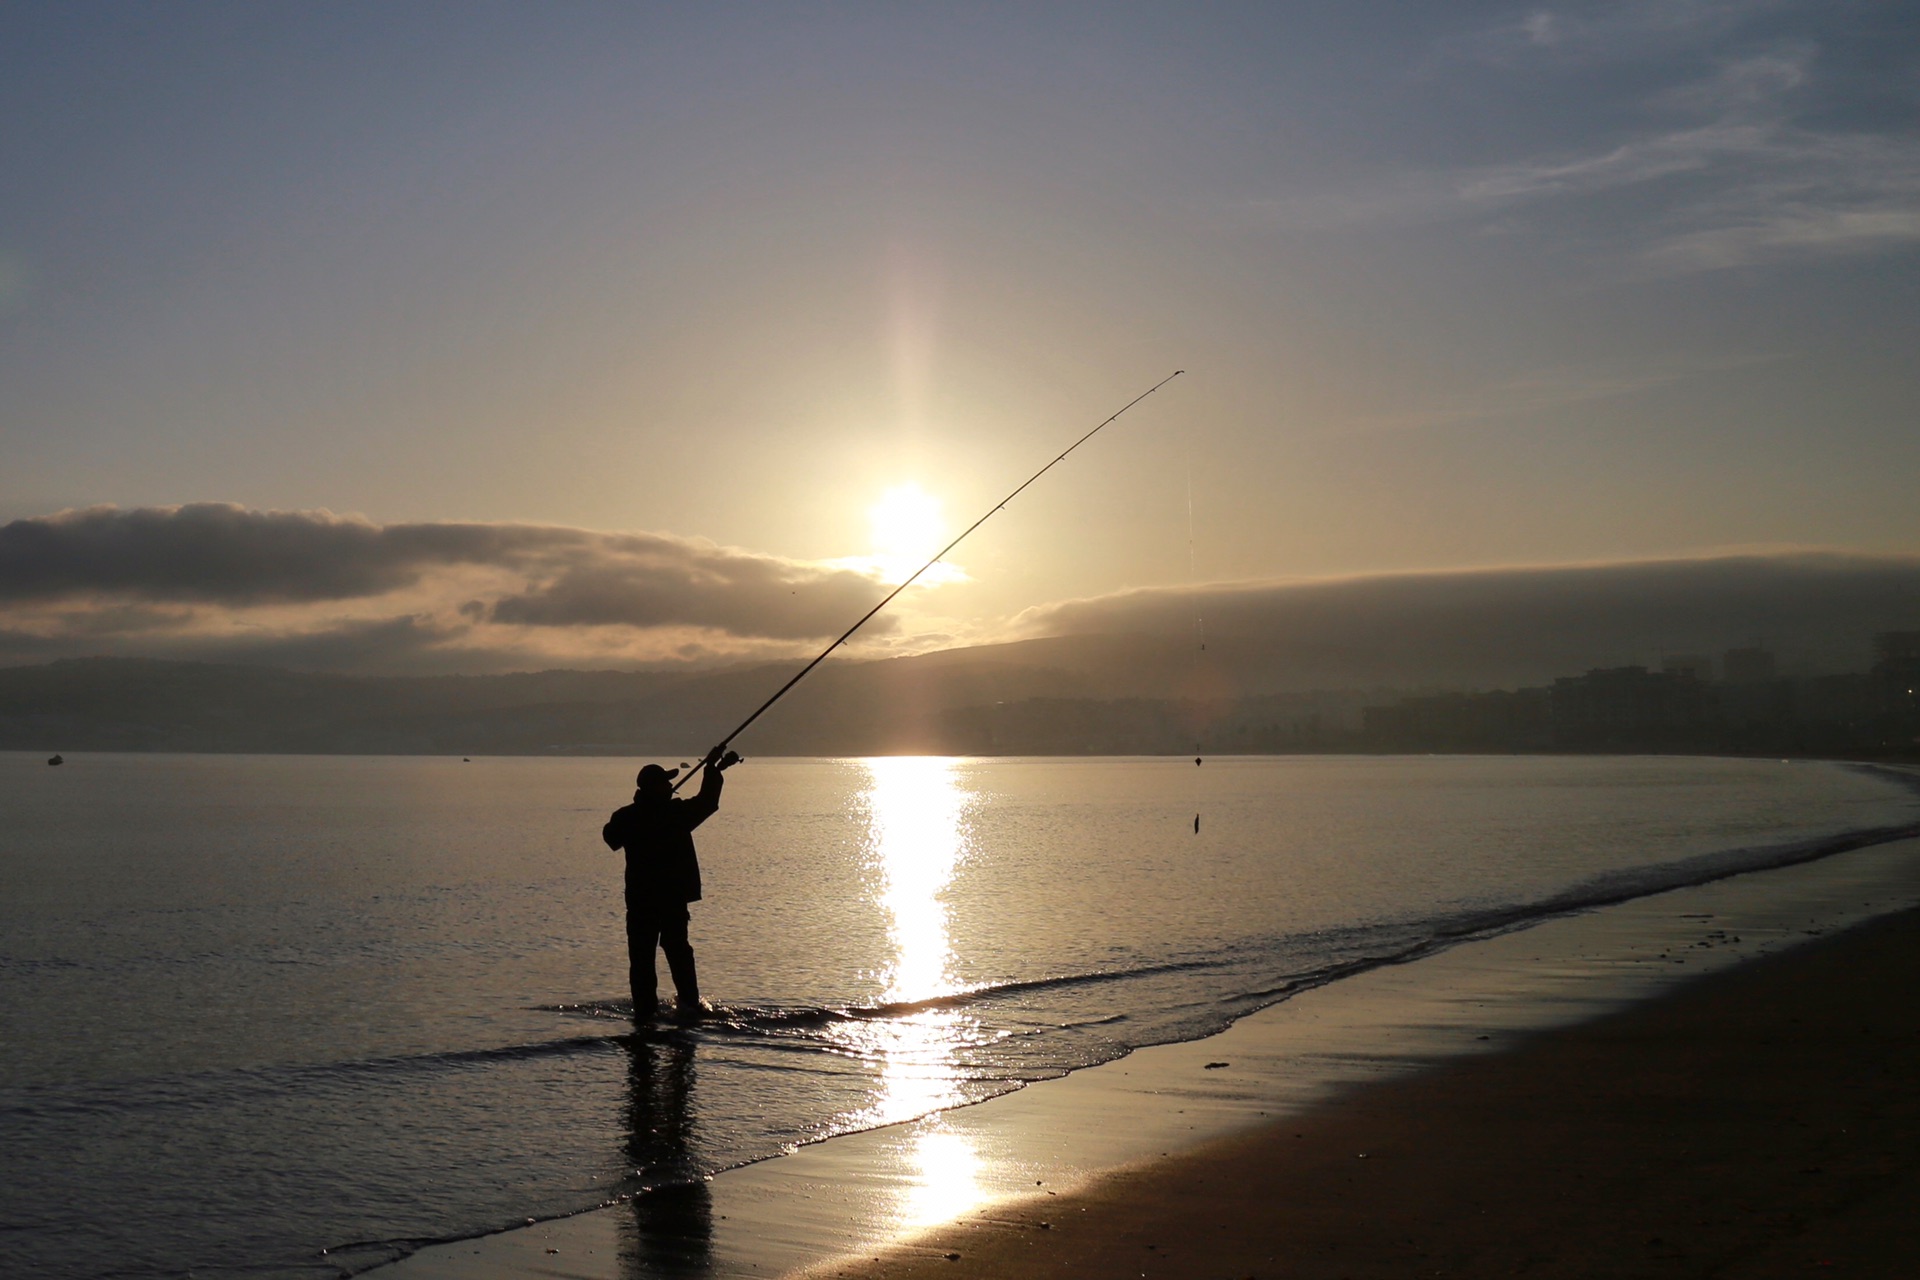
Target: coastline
{"x":900,"y":1194}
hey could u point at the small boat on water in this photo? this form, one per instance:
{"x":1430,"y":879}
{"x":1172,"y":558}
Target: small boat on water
{"x":56,"y":758}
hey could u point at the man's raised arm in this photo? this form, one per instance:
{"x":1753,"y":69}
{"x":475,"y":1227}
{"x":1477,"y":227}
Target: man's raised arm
{"x":706,"y":801}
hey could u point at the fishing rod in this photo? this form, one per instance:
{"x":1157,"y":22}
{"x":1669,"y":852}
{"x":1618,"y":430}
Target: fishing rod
{"x":719,"y":753}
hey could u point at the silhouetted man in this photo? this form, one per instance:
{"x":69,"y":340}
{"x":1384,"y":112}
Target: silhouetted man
{"x":663,"y":876}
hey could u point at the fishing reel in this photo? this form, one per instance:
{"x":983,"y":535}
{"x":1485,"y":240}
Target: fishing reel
{"x":726,"y":760}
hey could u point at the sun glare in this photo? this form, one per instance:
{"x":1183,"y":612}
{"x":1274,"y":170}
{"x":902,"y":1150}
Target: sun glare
{"x":907,"y":528}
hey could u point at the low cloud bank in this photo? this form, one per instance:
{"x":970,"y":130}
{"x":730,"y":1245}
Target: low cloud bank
{"x":1818,"y":610}
{"x":319,"y":590}
{"x":324,"y":592}
{"x":217,"y":552}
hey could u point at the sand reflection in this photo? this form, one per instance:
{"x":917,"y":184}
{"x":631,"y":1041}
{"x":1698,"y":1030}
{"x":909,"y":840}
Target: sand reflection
{"x":917,"y":839}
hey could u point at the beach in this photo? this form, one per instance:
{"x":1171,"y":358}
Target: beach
{"x":1758,"y":1122}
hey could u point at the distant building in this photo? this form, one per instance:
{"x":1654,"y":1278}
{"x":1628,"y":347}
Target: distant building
{"x":1630,"y":707}
{"x":1748,"y":666}
{"x":1754,"y":709}
{"x":1753,"y":697}
{"x":1896,"y":676}
{"x":1518,"y":720}
{"x":1896,"y":652}
{"x":1850,"y":700}
{"x":1697,"y":665}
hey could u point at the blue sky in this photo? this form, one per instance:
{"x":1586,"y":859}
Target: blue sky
{"x":1457,"y":285}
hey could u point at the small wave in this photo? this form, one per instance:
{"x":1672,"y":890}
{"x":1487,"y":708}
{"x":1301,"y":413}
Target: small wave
{"x":216,"y":1088}
{"x":775,"y":1017}
{"x":1442,"y":933}
{"x":1625,"y":886}
{"x":1359,"y":948}
{"x":1001,"y":990}
{"x":38,"y":964}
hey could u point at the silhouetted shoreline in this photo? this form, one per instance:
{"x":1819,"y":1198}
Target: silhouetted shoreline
{"x":964,"y":702}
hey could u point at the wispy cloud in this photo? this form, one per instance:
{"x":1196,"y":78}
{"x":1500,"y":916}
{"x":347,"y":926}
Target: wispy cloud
{"x":1742,"y":116}
{"x":1759,"y":184}
{"x":1541,"y":390}
{"x":1738,"y":164}
{"x":1603,"y":31}
{"x":1629,"y":164}
{"x":1800,"y":195}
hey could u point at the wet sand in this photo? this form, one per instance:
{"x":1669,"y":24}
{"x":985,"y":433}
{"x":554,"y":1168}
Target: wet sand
{"x":1761,"y":1121}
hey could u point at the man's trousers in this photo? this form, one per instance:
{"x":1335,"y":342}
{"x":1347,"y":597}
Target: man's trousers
{"x":665,"y":927}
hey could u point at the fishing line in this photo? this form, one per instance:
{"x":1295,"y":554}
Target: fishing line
{"x":1199,"y":616}
{"x":939,"y":555}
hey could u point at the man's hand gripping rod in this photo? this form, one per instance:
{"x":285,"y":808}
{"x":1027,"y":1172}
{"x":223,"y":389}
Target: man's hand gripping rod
{"x":721,"y":757}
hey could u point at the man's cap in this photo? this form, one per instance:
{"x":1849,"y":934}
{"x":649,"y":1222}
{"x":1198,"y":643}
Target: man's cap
{"x":654,"y":773}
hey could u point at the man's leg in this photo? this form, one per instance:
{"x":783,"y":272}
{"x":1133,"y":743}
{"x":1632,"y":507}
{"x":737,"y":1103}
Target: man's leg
{"x":643,"y":934}
{"x":673,"y":941}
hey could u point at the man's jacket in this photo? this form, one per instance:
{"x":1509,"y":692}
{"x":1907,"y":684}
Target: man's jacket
{"x":657,"y":833}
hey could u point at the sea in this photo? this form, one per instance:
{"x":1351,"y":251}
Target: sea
{"x":283,"y":1016}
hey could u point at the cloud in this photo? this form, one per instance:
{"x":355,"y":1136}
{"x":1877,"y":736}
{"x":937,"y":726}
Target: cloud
{"x":318,"y":589}
{"x":1545,"y":389}
{"x":1745,"y":179}
{"x":413,"y":644}
{"x":1630,"y":164}
{"x":323,"y":592}
{"x":1748,"y":185}
{"x":1803,"y":196}
{"x":1724,"y":194}
{"x":1528,"y":624}
{"x":220,"y":552}
{"x":740,"y":594}
{"x":1744,"y":86}
{"x":1740,"y":161}
{"x":1604,"y":31}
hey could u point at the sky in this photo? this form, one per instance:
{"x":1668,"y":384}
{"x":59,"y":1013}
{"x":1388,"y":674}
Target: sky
{"x":473,"y":337}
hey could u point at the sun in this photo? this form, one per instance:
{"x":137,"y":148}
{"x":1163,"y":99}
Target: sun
{"x":907,"y":529}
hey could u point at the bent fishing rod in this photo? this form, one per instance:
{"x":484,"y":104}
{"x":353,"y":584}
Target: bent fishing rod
{"x":719,"y":753}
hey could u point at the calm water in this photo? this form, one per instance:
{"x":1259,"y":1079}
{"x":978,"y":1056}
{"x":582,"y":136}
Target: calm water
{"x":257,"y":1008}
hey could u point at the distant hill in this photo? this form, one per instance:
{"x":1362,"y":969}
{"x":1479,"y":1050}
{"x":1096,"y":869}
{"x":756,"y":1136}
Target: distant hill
{"x":1284,"y":669}
{"x":937,"y":702}
{"x":1285,"y":665}
{"x":138,"y":704}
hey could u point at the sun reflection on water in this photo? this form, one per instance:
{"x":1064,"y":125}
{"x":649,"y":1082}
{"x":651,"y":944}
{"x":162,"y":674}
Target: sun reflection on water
{"x":917,"y":839}
{"x":916,"y":812}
